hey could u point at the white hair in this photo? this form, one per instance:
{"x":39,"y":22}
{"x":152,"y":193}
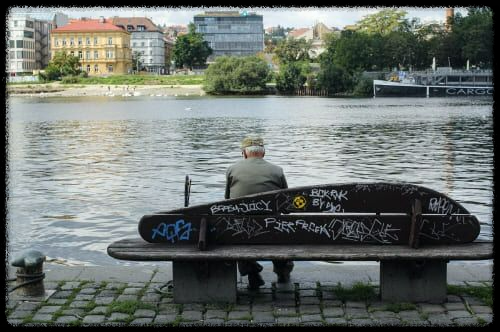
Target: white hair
{"x":254,"y":149}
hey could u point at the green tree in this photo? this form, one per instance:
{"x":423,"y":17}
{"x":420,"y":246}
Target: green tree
{"x":292,"y":76}
{"x":384,"y":22}
{"x":229,"y":74}
{"x":63,"y":64}
{"x":190,"y":49}
{"x":334,"y":78}
{"x":291,"y":49}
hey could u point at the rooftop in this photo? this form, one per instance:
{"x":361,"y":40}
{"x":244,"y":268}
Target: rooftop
{"x":87,"y":24}
{"x":132,"y":24}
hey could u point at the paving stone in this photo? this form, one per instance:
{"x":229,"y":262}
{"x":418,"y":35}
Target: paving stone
{"x":311,"y":318}
{"x":15,"y":322}
{"x":332,"y":303}
{"x":42,"y":318}
{"x":356,"y":313}
{"x":213,"y":322}
{"x":237,"y":323}
{"x":141,"y":321}
{"x":144,"y":313}
{"x":107,"y":293}
{"x":79,"y":304}
{"x":455,"y":306}
{"x":191,"y":315}
{"x":262,"y":317}
{"x":93,"y":319}
{"x":309,"y":300}
{"x":165,"y":318}
{"x":135,"y":285}
{"x":115,"y":285}
{"x":100,"y":310}
{"x":20,"y":314}
{"x":168,"y":308}
{"x":131,"y":291}
{"x":355,"y":304}
{"x":333,"y":312}
{"x":48,"y":309}
{"x":439,"y":319}
{"x":234,"y":315}
{"x":459,"y":314}
{"x":262,"y":298}
{"x":384,"y":314}
{"x":361,"y":322}
{"x":83,"y":297}
{"x":310,"y":309}
{"x":488,"y":318}
{"x":193,"y":307}
{"x":88,"y":291}
{"x":287,"y":320}
{"x":335,"y":321}
{"x":28,"y":306}
{"x":473,"y":301}
{"x":66,"y":320}
{"x":103,"y":300}
{"x":285,"y":311}
{"x":73,"y":312}
{"x":151,"y":298}
{"x":409,"y":315}
{"x":386,"y":321}
{"x":118,"y":316}
{"x":471,"y":321}
{"x":70,"y":285}
{"x":481,"y":309}
{"x":57,"y":301}
{"x":126,"y":297}
{"x":215,"y":313}
{"x":416,"y":322}
{"x":62,"y":294}
{"x":262,"y":307}
{"x":432,"y":308}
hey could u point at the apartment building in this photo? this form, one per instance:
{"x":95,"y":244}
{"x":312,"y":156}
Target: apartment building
{"x":147,"y":42}
{"x":29,"y":44}
{"x":231,"y":32}
{"x":102,"y":47}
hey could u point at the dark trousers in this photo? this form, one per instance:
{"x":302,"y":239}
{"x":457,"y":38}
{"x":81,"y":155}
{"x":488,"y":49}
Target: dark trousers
{"x":246,"y":267}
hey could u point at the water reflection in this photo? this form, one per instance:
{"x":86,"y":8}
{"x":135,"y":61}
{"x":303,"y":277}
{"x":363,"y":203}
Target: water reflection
{"x":82,"y":172}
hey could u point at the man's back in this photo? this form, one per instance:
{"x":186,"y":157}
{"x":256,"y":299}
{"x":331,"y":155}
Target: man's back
{"x":253,"y":175}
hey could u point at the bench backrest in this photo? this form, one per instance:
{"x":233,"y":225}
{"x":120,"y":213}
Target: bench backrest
{"x":384,"y":213}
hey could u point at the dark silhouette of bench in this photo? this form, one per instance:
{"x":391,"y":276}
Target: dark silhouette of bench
{"x":411,"y":230}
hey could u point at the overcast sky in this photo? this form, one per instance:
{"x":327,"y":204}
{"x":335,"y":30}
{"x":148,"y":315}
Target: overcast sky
{"x":286,"y":17}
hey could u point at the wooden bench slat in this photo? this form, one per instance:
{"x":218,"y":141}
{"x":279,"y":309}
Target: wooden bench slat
{"x":139,"y":250}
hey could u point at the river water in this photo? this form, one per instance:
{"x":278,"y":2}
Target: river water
{"x":82,"y":171}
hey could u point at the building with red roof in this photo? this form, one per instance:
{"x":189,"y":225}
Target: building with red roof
{"x":102,"y":47}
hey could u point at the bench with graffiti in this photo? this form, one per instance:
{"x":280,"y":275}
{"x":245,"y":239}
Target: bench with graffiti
{"x":411,"y":230}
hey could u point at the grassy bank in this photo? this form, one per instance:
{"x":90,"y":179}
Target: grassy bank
{"x":144,"y":80}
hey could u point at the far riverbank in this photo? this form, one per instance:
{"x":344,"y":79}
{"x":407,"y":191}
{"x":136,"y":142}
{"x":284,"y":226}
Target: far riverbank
{"x":78,"y":90}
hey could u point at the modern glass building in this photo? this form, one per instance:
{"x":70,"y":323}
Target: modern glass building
{"x":231,"y":32}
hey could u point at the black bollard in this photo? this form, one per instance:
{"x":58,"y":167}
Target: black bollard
{"x":29,"y":281}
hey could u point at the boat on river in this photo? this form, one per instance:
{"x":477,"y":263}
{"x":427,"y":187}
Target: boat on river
{"x":442,"y":82}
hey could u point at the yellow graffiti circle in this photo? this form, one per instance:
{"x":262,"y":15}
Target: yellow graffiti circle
{"x":299,"y":202}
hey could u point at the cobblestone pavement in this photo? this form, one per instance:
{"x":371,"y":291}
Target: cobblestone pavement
{"x":147,"y":303}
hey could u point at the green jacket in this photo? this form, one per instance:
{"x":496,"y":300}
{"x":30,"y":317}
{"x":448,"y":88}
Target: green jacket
{"x":253,"y":175}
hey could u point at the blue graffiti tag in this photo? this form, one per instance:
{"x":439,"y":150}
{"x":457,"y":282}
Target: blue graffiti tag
{"x":180,"y":231}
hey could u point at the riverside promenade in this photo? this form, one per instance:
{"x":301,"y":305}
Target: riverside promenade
{"x":318,"y":294}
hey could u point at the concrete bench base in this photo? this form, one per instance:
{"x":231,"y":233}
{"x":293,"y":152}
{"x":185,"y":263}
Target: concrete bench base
{"x":413,"y":281}
{"x":204,"y":281}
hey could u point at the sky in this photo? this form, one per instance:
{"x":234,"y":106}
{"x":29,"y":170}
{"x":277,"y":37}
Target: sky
{"x":302,"y":17}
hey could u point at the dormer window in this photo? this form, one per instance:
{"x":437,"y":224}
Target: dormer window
{"x":130,"y":27}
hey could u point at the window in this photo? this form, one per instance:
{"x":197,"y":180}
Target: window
{"x":110,"y":40}
{"x":80,"y":55}
{"x":110,"y":68}
{"x":141,"y":28}
{"x":96,"y":40}
{"x":56,"y":42}
{"x":28,"y":34}
{"x":142,"y":44}
{"x":109,"y":54}
{"x":12,"y":43}
{"x":64,"y":42}
{"x":79,"y":41}
{"x":96,"y":55}
{"x":72,"y":53}
{"x":29,"y":24}
{"x":87,"y":55}
{"x":88,"y":68}
{"x":96,"y":68}
{"x":12,"y":54}
{"x":19,"y":44}
{"x":130,"y":27}
{"x":88,"y":40}
{"x":72,"y":41}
